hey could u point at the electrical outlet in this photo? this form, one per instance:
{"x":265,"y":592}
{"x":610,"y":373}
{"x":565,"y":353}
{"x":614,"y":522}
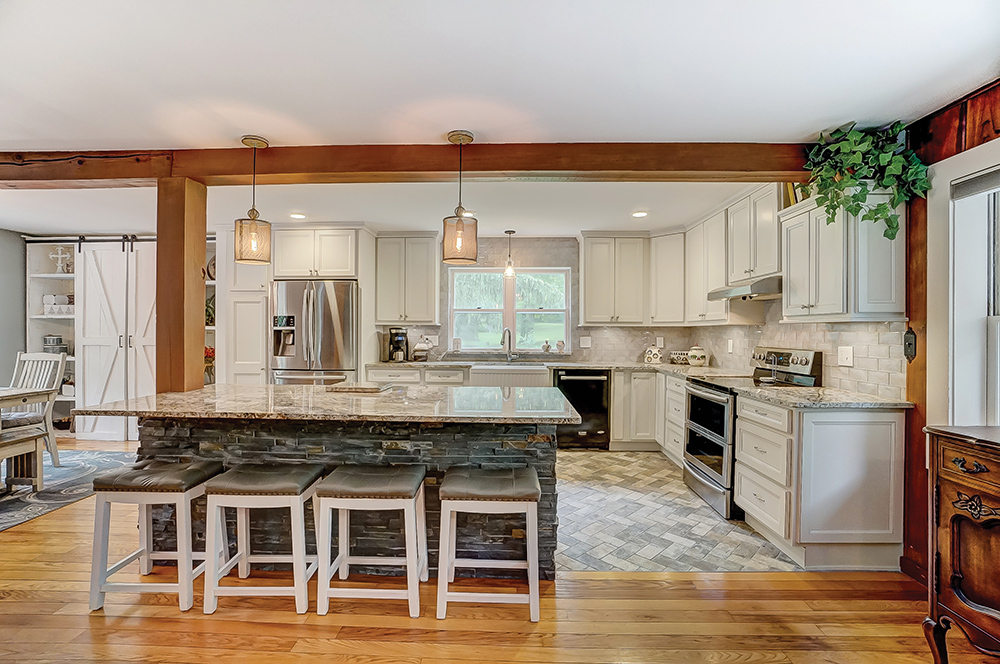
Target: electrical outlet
{"x":584,"y":342}
{"x":845,"y":356}
{"x":432,"y":338}
{"x":730,"y":346}
{"x":659,"y":342}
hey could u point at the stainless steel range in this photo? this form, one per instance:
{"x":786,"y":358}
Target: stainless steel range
{"x":710,"y":414}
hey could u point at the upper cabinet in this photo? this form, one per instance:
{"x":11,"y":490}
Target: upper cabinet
{"x":666,"y":279}
{"x":754,"y":236}
{"x":300,"y":253}
{"x":842,"y":271}
{"x":614,"y":278}
{"x":406,"y":280}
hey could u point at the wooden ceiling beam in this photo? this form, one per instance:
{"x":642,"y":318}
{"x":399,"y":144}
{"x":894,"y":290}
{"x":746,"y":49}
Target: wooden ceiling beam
{"x":663,"y":162}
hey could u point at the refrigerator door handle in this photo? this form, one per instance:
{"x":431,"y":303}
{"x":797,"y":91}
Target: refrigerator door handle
{"x":316,"y":334}
{"x":305,"y":324}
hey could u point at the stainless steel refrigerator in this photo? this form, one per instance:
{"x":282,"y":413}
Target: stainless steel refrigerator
{"x":314,"y":336}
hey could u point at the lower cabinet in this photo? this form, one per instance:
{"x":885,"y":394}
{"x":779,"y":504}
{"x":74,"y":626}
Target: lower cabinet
{"x":670,"y":416}
{"x":633,"y":410}
{"x":823,"y":485}
{"x":443,"y":376}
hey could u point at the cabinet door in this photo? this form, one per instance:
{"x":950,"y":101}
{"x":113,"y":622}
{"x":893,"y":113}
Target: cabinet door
{"x":740,"y":246}
{"x":715,"y":266}
{"x":661,"y":409}
{"x":765,"y":233}
{"x":334,"y":251}
{"x":598,"y":279}
{"x":796,"y":282}
{"x":694,"y":274}
{"x":237,"y":276}
{"x":630,"y":279}
{"x":642,"y":406}
{"x":829,"y":256}
{"x":881,"y":268}
{"x":246,"y":342}
{"x":390,"y":282}
{"x":666,"y":280}
{"x":293,"y":253}
{"x":619,"y":405}
{"x":421,"y":303}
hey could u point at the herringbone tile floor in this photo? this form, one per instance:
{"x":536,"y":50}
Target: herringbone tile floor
{"x":631,"y":511}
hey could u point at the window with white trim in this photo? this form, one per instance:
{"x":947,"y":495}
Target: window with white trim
{"x":534,"y":304}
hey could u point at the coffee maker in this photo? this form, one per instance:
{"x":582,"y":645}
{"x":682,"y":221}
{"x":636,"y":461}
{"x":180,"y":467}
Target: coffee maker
{"x":398,"y":344}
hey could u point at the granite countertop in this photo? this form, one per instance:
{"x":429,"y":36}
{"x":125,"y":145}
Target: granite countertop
{"x":818,"y":397}
{"x":494,"y":405}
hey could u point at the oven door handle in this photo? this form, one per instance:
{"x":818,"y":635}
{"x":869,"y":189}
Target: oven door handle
{"x":709,"y":395}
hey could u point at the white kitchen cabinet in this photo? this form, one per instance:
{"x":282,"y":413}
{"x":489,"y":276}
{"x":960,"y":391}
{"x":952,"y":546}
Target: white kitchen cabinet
{"x":406,"y":280}
{"x":823,"y":485}
{"x":633,"y":410}
{"x":754,"y":236}
{"x":115,"y":332}
{"x":695,"y":293}
{"x":666,"y":279}
{"x":673,"y":413}
{"x":715,"y":267}
{"x":642,"y":405}
{"x":301,"y":253}
{"x":430,"y":375}
{"x":661,"y":410}
{"x":614,"y":280}
{"x":842,"y":271}
{"x":705,"y":270}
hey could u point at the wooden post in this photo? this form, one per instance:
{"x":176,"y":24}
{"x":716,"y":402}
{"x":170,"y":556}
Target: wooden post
{"x":180,"y":284}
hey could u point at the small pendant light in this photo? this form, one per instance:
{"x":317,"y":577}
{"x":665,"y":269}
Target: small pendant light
{"x":460,"y":245}
{"x":509,"y":270}
{"x":253,"y":235}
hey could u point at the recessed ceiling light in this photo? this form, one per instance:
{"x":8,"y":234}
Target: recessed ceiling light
{"x":297,"y":216}
{"x":640,"y":214}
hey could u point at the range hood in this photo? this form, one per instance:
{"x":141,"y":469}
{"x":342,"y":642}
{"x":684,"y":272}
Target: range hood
{"x":767,"y":288}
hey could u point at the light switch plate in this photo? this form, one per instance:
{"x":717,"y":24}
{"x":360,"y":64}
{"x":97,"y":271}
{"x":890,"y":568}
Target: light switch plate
{"x":584,"y":342}
{"x":730,"y":346}
{"x":432,"y":338}
{"x":845,"y":356}
{"x":659,"y":342}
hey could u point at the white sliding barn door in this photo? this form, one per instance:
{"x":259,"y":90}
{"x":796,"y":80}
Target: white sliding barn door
{"x":100,"y":336}
{"x":141,"y":314}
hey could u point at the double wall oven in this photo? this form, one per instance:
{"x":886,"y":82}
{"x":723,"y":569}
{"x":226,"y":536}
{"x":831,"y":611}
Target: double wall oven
{"x":710,"y":414}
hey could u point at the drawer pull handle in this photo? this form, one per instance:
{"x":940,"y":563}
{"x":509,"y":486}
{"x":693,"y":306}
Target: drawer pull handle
{"x":762,"y":413}
{"x":976,"y":466}
{"x":974,"y":506}
{"x":759,"y":450}
{"x":761,"y":500}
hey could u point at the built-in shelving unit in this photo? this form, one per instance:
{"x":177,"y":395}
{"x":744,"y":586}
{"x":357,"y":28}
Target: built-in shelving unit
{"x":210,"y":291}
{"x":46,"y":284}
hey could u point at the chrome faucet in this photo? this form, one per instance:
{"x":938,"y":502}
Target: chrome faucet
{"x":507,"y":343}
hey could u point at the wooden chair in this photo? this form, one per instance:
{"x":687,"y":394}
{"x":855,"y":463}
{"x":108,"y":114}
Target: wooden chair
{"x":22,"y":450}
{"x":43,"y":371}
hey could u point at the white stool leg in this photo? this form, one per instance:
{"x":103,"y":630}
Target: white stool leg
{"x":243,"y":540}
{"x":452,"y":546}
{"x":422,"y":535}
{"x":214,"y":559}
{"x":532,"y":544}
{"x":99,"y":561}
{"x":413,"y":564}
{"x":444,"y":560}
{"x":344,"y":541}
{"x":324,"y":541}
{"x":145,"y":537}
{"x":185,"y":579}
{"x":299,"y":555}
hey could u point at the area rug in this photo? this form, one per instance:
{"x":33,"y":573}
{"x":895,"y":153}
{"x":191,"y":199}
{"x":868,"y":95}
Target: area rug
{"x":71,"y":482}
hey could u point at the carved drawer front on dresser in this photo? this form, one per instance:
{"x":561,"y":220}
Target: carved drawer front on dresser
{"x":960,"y":462}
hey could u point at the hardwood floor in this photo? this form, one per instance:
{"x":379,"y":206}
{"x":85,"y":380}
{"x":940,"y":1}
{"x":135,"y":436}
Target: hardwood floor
{"x":684,"y":617}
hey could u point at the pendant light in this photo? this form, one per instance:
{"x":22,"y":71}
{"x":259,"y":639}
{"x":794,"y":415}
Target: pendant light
{"x":253,"y":235}
{"x":460,"y":245}
{"x":509,"y":270}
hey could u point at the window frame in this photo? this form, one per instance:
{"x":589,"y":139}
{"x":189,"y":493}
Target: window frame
{"x":510,"y":310}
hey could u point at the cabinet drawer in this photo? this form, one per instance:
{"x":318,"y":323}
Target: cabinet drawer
{"x":674,"y":444}
{"x":766,"y":451}
{"x":675,"y":408}
{"x":763,"y":499}
{"x":979,"y":466}
{"x":675,"y":385}
{"x":767,"y":414}
{"x":394,"y":375}
{"x":444,"y":376}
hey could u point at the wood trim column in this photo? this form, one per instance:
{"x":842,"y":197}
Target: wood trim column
{"x":181,"y":212}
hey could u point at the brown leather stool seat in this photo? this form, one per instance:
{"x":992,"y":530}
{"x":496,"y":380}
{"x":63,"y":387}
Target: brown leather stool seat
{"x":265,"y":480}
{"x":367,"y":481}
{"x":158,"y":476}
{"x":491,"y":484}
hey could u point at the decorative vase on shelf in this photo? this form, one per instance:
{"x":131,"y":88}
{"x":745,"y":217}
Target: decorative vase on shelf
{"x":697,"y":356}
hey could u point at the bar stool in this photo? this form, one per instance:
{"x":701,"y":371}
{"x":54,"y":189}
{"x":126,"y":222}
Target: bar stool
{"x":146,"y":484}
{"x":366,"y":487}
{"x":253,"y":486}
{"x":493,"y":491}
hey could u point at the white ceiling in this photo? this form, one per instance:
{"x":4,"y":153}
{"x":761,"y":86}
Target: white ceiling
{"x":530,"y":208}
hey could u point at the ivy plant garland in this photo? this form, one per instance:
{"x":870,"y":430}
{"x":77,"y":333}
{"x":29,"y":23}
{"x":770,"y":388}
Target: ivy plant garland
{"x":846,"y":166}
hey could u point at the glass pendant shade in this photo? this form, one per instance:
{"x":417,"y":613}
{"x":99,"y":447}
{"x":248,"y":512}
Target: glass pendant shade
{"x":253,"y":240}
{"x":460,"y":245}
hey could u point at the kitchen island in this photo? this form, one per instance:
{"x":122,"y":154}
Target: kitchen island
{"x":437,"y":427}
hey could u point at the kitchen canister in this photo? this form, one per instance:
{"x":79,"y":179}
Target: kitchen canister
{"x":653,"y":355}
{"x":51,"y":340}
{"x":697,"y":356}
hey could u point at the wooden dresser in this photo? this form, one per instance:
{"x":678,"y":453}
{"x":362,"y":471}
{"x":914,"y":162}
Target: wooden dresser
{"x":964,"y":579}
